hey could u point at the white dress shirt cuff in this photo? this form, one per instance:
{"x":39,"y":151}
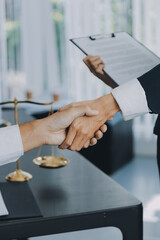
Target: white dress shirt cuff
{"x":131,"y":99}
{"x":11,"y":146}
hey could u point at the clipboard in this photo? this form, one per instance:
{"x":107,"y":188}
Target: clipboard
{"x":125,"y":58}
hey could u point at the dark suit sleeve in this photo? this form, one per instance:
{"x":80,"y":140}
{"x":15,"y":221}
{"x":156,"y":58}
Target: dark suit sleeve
{"x":150,"y":82}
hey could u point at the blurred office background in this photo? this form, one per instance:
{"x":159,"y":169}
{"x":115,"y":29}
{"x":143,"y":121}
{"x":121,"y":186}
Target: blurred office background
{"x":36,"y":54}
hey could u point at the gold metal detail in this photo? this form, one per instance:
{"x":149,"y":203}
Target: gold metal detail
{"x":18,"y":176}
{"x":50,"y":162}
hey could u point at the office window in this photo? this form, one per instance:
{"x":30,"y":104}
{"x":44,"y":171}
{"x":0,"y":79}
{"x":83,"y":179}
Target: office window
{"x":3,"y":52}
{"x":40,"y":55}
{"x":82,"y":18}
{"x":13,"y":34}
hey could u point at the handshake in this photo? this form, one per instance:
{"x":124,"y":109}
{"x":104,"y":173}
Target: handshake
{"x":77,"y":125}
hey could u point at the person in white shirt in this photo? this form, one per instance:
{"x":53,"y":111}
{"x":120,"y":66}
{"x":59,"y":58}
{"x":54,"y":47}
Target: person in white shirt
{"x":17,"y":139}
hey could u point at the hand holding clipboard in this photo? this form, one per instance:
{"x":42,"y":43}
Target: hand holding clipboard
{"x":124,"y":57}
{"x":96,"y":66}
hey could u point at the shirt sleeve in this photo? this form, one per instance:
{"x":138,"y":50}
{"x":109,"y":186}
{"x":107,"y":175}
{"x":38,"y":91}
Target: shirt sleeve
{"x":131,"y":99}
{"x":11,"y":146}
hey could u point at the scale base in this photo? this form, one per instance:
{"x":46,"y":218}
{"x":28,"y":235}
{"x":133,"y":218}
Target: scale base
{"x":19,"y":176}
{"x":50,"y":162}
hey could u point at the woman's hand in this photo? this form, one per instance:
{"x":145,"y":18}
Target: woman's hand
{"x":96,"y":66}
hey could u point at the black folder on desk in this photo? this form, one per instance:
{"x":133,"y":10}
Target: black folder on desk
{"x":19,"y":201}
{"x":125,"y":58}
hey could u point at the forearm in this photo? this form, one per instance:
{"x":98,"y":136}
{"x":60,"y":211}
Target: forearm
{"x":31,"y":135}
{"x":107,"y":106}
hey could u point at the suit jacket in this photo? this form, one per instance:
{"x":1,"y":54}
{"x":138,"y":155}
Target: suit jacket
{"x":150,"y":82}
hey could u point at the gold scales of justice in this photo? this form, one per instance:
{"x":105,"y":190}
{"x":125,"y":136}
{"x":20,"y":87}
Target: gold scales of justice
{"x":42,"y":161}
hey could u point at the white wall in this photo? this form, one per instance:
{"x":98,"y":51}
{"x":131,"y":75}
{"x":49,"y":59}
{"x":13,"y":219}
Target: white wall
{"x":39,"y":52}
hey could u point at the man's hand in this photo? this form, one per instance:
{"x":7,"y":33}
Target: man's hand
{"x":84,"y":128}
{"x":96,"y":66}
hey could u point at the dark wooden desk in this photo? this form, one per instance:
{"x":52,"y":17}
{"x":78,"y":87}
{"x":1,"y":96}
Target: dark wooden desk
{"x":73,"y":198}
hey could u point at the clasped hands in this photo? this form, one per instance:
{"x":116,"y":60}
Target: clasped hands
{"x":84,"y":119}
{"x":86,"y":130}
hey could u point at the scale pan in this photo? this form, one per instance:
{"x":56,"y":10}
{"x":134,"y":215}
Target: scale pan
{"x":50,"y":161}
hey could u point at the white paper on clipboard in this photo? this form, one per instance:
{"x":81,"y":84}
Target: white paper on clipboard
{"x":124,"y":57}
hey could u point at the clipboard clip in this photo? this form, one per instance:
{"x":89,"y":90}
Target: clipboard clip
{"x":97,"y":37}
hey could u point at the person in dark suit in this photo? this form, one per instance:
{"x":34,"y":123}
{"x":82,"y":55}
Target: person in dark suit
{"x":150,"y":82}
